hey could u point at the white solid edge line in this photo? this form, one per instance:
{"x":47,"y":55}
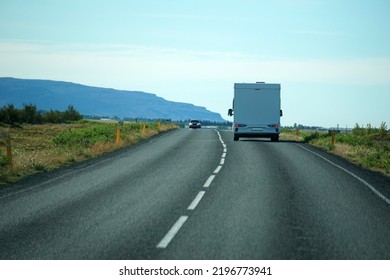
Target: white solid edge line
{"x":172,"y":232}
{"x":196,"y":201}
{"x":384,"y":198}
{"x":217,"y":169}
{"x":222,"y":161}
{"x":209,"y":180}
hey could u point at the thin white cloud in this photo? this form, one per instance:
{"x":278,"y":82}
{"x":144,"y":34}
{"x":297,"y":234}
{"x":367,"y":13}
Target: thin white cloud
{"x":139,"y":63}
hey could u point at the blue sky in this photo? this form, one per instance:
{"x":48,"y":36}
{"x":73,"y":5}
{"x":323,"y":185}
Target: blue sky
{"x":331,"y":57}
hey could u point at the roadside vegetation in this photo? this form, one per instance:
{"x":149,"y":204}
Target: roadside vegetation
{"x":11,"y":115}
{"x":43,"y":141}
{"x":367,"y":146}
{"x":44,"y":147}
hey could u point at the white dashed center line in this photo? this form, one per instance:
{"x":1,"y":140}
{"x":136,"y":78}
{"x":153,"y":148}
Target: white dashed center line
{"x":172,"y":232}
{"x":217,"y":169}
{"x":180,"y":222}
{"x":197,"y":199}
{"x":208,"y":182}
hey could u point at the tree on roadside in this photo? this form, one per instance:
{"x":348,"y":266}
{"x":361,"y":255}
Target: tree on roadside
{"x":30,"y":114}
{"x":53,"y":116}
{"x":9,"y":114}
{"x":71,"y":114}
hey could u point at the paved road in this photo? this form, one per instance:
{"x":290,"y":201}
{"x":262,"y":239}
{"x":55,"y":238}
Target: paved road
{"x":196,"y":194}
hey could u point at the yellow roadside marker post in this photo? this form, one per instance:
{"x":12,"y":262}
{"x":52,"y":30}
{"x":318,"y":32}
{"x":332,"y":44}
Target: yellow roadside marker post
{"x":9,"y":151}
{"x":333,"y":137}
{"x":118,"y":135}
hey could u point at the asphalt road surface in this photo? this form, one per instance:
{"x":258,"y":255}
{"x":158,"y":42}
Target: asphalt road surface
{"x":196,"y":194}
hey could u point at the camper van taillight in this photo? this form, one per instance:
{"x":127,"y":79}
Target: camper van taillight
{"x":240,"y":125}
{"x":273,"y":125}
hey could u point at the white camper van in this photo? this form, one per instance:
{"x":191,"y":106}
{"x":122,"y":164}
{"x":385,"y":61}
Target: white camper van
{"x":256,"y":110}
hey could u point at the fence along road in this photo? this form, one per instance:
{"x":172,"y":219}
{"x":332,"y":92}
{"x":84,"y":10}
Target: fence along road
{"x":196,"y":194}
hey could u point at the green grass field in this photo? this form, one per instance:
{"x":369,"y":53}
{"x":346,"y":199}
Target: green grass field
{"x":365,"y":146}
{"x":37,"y":148}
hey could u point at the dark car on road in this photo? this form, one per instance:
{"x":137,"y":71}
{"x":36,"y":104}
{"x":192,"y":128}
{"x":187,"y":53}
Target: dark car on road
{"x":194,"y":124}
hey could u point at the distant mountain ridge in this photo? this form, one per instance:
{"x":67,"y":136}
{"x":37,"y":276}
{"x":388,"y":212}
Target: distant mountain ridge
{"x":96,"y":101}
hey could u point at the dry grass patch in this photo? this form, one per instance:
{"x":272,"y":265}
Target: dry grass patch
{"x":37,"y":148}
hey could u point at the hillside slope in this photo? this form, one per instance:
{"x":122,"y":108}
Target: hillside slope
{"x":56,"y":95}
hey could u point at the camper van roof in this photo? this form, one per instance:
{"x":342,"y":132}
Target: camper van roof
{"x":256,"y":85}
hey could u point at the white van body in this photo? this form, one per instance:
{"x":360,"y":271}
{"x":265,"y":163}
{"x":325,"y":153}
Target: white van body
{"x":257,"y":112}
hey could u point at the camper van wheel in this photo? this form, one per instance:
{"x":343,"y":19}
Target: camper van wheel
{"x":236,"y":138}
